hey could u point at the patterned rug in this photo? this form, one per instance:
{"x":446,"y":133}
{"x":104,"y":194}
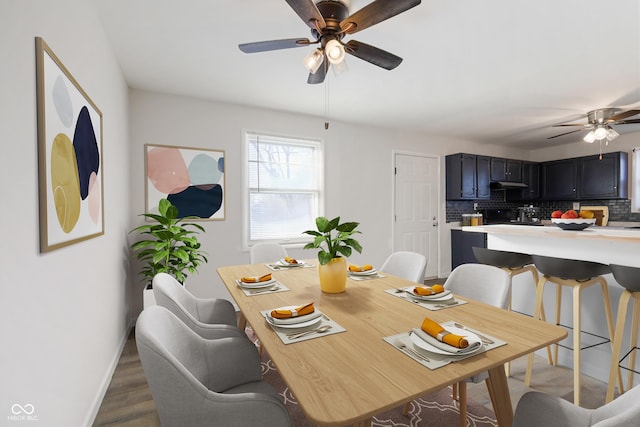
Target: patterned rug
{"x":437,"y":409}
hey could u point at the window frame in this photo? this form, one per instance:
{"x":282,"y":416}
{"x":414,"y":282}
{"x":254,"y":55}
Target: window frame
{"x":319,"y":160}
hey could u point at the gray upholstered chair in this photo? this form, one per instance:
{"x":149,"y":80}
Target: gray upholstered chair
{"x":200,"y":382}
{"x":406,"y":264}
{"x":537,"y":409}
{"x":210,"y":318}
{"x":266,"y":252}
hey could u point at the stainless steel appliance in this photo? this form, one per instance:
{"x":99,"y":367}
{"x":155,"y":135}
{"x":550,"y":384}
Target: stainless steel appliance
{"x":529,"y":215}
{"x":526,"y":215}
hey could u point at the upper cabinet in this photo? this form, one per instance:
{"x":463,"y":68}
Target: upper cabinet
{"x":467,"y":176}
{"x":531,"y":178}
{"x":586,"y":178}
{"x":506,"y":170}
{"x":604,"y":178}
{"x":560,"y":180}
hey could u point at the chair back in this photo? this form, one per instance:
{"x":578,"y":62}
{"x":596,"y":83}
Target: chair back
{"x":484,"y":283}
{"x":406,"y":264}
{"x":501,"y":258}
{"x":622,"y":411}
{"x":628,"y":277}
{"x":267,"y":252}
{"x":169,"y":293}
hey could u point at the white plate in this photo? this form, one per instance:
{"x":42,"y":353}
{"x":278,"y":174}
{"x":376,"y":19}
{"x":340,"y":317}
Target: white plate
{"x":442,"y":296}
{"x":257,"y":285}
{"x":304,"y":324}
{"x":283,"y":263}
{"x":364,"y":273}
{"x":424,"y":345}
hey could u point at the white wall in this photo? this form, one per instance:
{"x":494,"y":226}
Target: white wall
{"x":359,"y":170}
{"x":63,"y":314}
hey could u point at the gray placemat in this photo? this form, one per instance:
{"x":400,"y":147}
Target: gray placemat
{"x":283,"y":333}
{"x":438,"y":360}
{"x":429,"y":305}
{"x":277,"y":287}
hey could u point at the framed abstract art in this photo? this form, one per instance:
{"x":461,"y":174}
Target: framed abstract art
{"x":70,"y":175}
{"x":192,"y":179}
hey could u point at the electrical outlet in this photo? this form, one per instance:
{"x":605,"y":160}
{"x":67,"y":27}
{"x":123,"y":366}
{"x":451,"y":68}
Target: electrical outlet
{"x":576,"y":206}
{"x":475,"y":206}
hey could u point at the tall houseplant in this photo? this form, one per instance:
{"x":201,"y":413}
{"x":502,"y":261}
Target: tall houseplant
{"x":336,"y":244}
{"x":169,"y":244}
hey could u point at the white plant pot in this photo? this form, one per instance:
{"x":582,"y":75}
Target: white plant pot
{"x":148,"y":299}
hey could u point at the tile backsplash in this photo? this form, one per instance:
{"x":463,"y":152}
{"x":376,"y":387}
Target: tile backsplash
{"x":619,"y":210}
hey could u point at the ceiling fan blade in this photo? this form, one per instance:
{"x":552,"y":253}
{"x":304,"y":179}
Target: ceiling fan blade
{"x":626,"y":122}
{"x":272,"y":45}
{"x":375,"y":12}
{"x":308,"y":12}
{"x":372,"y":54}
{"x":566,"y":133}
{"x":623,"y":115}
{"x":569,"y":124}
{"x":318,"y":76}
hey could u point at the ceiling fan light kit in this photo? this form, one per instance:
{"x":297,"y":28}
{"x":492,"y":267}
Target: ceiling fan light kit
{"x":329,"y":21}
{"x":599,"y":124}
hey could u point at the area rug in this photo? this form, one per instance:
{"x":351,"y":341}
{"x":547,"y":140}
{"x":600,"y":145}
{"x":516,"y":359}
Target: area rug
{"x":437,"y":409}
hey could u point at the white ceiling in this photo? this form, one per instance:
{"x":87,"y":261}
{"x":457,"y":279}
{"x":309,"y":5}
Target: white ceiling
{"x":493,"y":71}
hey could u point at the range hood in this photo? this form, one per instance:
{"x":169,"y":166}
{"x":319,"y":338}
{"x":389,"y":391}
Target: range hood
{"x":506,"y":185}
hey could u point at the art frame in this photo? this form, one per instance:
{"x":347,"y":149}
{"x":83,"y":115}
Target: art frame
{"x":70,"y":170}
{"x":192,"y":179}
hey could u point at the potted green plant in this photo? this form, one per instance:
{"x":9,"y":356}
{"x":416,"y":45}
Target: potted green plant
{"x":336,"y":244}
{"x":169,"y":244}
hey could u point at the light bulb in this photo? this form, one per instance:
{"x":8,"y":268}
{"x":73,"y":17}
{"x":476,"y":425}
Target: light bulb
{"x":612,"y":134}
{"x":600,"y":133}
{"x":590,"y":137}
{"x":334,"y":51}
{"x":313,"y":60}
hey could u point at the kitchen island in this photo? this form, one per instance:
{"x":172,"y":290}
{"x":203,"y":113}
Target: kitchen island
{"x":607,"y":245}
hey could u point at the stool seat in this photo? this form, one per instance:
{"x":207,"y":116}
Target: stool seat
{"x":502,"y":258}
{"x":577,"y":275}
{"x":571,"y":269}
{"x":629,"y":278}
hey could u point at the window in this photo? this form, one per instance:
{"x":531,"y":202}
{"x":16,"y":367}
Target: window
{"x":284,"y":187}
{"x":635,"y":180}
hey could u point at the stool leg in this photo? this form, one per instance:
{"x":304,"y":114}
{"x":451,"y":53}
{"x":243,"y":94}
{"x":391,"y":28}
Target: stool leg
{"x":577,"y":327}
{"x":606,"y":300}
{"x":536,"y":315}
{"x":634,"y":337}
{"x":617,"y":344}
{"x":543,"y":316}
{"x":558,"y":307}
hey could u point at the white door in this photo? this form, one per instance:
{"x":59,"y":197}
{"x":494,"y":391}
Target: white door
{"x":416,"y":208}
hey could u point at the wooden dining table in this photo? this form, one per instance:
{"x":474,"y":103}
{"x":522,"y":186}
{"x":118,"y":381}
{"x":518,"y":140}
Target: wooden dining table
{"x":347,"y":378}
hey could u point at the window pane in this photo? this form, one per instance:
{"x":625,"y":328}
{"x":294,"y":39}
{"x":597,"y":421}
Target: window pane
{"x":278,"y":166}
{"x":281,"y":215}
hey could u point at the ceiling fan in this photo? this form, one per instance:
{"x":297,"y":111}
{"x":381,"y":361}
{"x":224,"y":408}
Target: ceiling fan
{"x":599,"y":124}
{"x":330,"y":21}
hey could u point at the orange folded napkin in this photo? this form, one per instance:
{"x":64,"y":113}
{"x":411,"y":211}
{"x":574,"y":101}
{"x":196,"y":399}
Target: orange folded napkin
{"x":428,"y":290}
{"x":358,"y":268}
{"x":264,"y":278}
{"x":299,"y":311}
{"x":441,"y":334}
{"x":290,"y":260}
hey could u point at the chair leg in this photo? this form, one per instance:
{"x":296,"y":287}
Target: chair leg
{"x":634,"y":337}
{"x":558,"y":307}
{"x":617,"y":343}
{"x":536,"y":315}
{"x":606,"y":301}
{"x":462,"y":392}
{"x":577,"y":327}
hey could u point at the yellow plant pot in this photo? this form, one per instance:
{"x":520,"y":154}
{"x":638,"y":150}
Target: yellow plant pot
{"x":333,"y":276}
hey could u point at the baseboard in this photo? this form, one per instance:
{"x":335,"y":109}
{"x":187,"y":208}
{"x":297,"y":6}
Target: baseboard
{"x":106,"y":380}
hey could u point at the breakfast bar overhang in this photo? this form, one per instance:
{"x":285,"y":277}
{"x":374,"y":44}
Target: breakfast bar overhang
{"x":606,"y":245}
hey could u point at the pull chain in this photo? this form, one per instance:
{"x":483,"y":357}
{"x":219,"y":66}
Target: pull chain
{"x":326,"y":103}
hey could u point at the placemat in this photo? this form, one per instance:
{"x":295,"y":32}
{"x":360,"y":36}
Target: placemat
{"x":283,"y":333}
{"x":277,"y":287}
{"x":429,"y":305}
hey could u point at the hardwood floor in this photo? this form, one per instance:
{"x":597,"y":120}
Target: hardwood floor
{"x":128,"y":400}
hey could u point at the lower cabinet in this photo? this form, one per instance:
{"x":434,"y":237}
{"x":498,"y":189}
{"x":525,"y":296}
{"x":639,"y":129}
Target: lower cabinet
{"x":462,"y":243}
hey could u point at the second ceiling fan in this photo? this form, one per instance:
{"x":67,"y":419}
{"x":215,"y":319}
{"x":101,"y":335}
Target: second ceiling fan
{"x":330,"y":21}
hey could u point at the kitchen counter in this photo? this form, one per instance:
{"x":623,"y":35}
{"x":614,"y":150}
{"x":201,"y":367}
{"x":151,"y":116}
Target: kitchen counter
{"x":607,"y":245}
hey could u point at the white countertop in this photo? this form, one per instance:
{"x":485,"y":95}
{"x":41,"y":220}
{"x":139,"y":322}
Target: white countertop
{"x":551,"y":231}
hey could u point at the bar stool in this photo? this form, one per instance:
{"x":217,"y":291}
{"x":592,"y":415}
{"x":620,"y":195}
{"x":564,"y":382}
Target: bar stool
{"x":629,"y":278}
{"x":578,"y":275}
{"x":513,"y":263}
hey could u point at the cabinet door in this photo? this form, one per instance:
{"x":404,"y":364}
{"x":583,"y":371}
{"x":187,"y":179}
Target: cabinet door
{"x":483,"y":165}
{"x":513,"y":170}
{"x":603,"y":178}
{"x":462,"y":243}
{"x":468,"y":176}
{"x":559,"y":179}
{"x":531,"y":177}
{"x":498,"y":169}
{"x":461,"y":176}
